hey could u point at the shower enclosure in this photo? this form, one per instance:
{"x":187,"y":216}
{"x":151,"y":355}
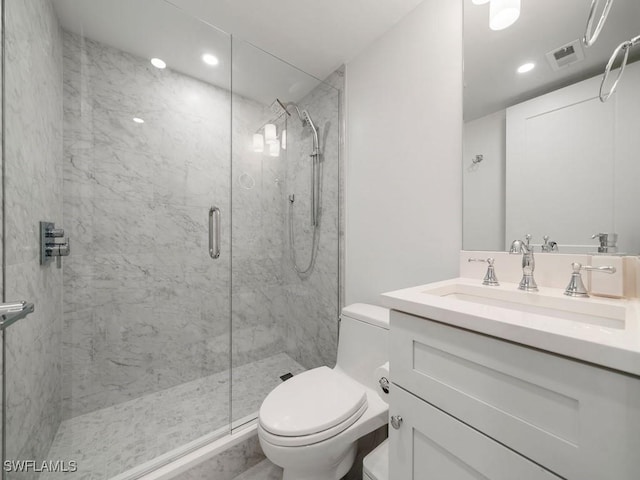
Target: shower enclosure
{"x":186,"y":191}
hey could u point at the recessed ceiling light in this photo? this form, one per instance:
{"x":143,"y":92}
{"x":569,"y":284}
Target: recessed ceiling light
{"x":503,"y":13}
{"x":210,"y":59}
{"x":138,"y":120}
{"x":479,"y":2}
{"x":527,"y":67}
{"x":158,"y":63}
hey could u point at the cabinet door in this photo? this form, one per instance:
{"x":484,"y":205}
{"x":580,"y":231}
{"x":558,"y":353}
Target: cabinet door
{"x":577,"y":420}
{"x":432,"y":445}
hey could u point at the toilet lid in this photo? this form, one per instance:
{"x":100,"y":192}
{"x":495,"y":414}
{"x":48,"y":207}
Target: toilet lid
{"x":311,"y":402}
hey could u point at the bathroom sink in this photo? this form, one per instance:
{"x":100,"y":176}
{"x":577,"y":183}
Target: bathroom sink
{"x":550,"y":304}
{"x":601,"y":331}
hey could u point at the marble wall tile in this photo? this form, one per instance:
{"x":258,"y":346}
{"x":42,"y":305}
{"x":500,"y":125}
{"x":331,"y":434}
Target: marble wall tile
{"x":33,"y":192}
{"x":229,"y":464}
{"x":273,"y":307}
{"x":146,"y":308}
{"x":140,"y":288}
{"x":309,"y":317}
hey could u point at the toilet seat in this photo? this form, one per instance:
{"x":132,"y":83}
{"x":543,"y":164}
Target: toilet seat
{"x":311,"y":407}
{"x":305,"y":440}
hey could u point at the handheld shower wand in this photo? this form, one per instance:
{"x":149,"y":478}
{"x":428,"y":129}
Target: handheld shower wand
{"x":306,"y":120}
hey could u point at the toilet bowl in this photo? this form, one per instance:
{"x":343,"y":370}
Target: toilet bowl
{"x":310,"y":424}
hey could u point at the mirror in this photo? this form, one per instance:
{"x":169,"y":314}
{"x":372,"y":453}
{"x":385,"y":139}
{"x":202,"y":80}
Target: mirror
{"x":542,"y":154}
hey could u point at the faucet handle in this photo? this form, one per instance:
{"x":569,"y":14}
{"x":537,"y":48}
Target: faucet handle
{"x":490,"y":278}
{"x":527,"y":238}
{"x":549,"y":246}
{"x":576,"y":286}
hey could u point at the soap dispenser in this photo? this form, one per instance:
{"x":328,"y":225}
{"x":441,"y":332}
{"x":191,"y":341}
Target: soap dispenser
{"x":607,"y":241}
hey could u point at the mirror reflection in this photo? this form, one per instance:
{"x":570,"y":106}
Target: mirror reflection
{"x":542,"y":154}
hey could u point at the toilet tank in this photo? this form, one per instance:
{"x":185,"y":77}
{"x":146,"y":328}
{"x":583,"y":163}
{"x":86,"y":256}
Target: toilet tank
{"x":363,"y":341}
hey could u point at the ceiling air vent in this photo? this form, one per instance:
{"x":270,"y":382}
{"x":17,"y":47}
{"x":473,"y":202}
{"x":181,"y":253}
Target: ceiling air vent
{"x":565,"y":55}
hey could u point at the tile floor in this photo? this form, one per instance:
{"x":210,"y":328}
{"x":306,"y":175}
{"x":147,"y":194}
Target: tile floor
{"x":113,"y":440}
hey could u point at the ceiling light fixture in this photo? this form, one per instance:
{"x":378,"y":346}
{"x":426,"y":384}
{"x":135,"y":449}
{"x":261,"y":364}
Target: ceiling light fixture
{"x":479,"y":2}
{"x":210,"y":59}
{"x":158,"y":63}
{"x":138,"y":120}
{"x":526,"y":67}
{"x":503,"y":13}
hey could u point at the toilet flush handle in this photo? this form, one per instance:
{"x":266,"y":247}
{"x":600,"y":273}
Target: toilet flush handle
{"x":396,"y":421}
{"x":384,"y":384}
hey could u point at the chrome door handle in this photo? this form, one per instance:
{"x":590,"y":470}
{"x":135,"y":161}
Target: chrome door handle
{"x":214,"y":232}
{"x":13,"y":311}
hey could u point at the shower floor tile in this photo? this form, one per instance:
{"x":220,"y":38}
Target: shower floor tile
{"x":113,"y":440}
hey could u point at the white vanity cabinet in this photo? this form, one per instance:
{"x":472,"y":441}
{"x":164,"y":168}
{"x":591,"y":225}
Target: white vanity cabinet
{"x":477,"y":407}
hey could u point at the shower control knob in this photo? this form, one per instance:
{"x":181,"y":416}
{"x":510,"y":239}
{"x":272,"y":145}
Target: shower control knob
{"x":396,"y":421}
{"x":55,"y":233}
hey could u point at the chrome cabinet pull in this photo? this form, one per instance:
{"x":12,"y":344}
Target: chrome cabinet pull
{"x":396,"y":421}
{"x":214,"y":232}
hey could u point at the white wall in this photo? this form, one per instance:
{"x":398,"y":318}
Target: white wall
{"x":403,"y":174}
{"x":627,"y":166}
{"x":483,"y":183}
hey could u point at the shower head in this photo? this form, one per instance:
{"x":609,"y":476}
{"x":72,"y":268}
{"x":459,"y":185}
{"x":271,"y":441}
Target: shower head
{"x":306,"y":119}
{"x":277,"y":106}
{"x":283,"y":107}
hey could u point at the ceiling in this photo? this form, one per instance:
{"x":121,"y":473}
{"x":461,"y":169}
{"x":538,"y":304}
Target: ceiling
{"x":316,"y":37}
{"x":491,"y":58}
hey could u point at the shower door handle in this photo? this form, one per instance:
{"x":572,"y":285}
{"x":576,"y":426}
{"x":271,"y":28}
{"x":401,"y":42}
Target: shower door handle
{"x":214,"y":232}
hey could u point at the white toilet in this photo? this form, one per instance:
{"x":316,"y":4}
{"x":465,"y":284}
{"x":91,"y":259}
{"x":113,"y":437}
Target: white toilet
{"x":310,"y":424}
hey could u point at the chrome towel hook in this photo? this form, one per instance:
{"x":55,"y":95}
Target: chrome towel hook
{"x":623,"y":48}
{"x":590,"y":35}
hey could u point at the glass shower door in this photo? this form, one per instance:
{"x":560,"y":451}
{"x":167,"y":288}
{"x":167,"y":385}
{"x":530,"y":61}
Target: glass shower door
{"x":285,"y":208}
{"x":126,"y":358}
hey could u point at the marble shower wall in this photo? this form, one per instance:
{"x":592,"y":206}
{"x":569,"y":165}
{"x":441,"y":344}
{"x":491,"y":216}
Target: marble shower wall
{"x":33,"y":192}
{"x":309,"y":313}
{"x":273,"y":306}
{"x":257,"y":273}
{"x":145,"y":306}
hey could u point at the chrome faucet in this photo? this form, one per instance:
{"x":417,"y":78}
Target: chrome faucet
{"x":528,"y":283}
{"x":549,"y":245}
{"x":490,"y":278}
{"x":576,"y":286}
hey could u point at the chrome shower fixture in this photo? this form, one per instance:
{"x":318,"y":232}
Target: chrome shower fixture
{"x":283,"y":107}
{"x":315,"y":174}
{"x":303,"y":115}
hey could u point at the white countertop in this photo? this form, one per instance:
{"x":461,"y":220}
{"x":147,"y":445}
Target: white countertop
{"x":613,"y":345}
